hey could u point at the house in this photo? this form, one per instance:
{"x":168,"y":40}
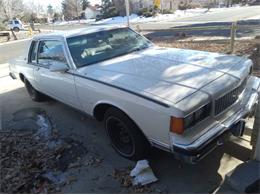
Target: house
{"x":170,"y":4}
{"x":137,"y":5}
{"x":91,"y":12}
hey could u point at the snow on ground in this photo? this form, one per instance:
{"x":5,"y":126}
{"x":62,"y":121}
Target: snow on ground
{"x":254,"y":18}
{"x":74,"y":22}
{"x":163,"y":17}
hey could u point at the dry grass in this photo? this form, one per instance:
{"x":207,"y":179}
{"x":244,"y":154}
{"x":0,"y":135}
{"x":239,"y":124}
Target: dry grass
{"x":241,"y":48}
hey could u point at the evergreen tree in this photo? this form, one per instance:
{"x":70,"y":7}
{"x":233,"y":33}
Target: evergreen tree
{"x":85,"y":4}
{"x":50,"y":10}
{"x":108,"y":9}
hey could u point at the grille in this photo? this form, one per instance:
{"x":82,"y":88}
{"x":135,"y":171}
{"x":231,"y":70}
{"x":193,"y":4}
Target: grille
{"x":229,"y":99}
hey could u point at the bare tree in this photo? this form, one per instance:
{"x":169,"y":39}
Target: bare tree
{"x":120,"y":7}
{"x":11,"y":8}
{"x":72,"y":9}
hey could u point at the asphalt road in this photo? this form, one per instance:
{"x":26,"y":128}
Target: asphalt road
{"x":236,"y":14}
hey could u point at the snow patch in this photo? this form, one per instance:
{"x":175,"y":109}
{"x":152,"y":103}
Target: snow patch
{"x":61,"y":23}
{"x":178,"y":14}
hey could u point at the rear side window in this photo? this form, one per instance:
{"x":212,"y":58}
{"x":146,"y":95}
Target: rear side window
{"x":33,"y":52}
{"x":50,"y":52}
{"x":16,"y":22}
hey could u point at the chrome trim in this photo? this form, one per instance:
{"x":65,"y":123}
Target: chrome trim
{"x":160,"y":145}
{"x":249,"y":100}
{"x":229,"y":107}
{"x":214,"y":102}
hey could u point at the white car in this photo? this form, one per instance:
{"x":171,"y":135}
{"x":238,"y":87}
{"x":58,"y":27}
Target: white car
{"x":183,"y":101}
{"x":15,"y":25}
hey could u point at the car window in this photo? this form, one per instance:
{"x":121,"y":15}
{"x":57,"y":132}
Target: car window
{"x":10,"y":22}
{"x":50,"y":52}
{"x":33,"y":52}
{"x":16,"y":22}
{"x":99,"y":46}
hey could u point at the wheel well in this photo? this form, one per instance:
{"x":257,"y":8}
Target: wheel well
{"x":100,"y":110}
{"x":21,"y":77}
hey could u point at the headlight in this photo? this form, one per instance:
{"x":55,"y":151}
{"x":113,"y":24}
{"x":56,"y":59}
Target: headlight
{"x":197,"y":116}
{"x":179,"y":125}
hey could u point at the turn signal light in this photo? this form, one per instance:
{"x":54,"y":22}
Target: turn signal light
{"x":177,"y":125}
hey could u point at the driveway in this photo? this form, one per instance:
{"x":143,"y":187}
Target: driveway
{"x":174,"y":176}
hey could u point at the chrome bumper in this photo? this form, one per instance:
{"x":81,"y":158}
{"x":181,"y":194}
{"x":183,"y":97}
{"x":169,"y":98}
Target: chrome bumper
{"x":220,"y":131}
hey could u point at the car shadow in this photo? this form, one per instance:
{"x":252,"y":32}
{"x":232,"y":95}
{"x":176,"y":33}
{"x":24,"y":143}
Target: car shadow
{"x":203,"y":177}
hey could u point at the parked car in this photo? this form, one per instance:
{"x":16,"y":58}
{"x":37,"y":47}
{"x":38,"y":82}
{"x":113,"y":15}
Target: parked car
{"x":182,"y":101}
{"x":15,"y":25}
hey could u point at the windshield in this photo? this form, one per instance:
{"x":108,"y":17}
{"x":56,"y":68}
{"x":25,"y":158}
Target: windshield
{"x":99,"y":46}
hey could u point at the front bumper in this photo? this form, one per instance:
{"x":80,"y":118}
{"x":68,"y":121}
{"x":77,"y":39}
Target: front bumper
{"x":218,"y":133}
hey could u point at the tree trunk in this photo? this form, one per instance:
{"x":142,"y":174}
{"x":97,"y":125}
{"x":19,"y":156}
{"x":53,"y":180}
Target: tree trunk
{"x":120,"y":7}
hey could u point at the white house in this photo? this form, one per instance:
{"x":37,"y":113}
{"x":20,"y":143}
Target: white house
{"x":91,"y":12}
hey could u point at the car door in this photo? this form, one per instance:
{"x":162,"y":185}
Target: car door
{"x":29,"y":64}
{"x":59,"y":85}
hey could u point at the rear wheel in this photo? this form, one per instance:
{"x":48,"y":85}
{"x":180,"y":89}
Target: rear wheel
{"x":125,"y":136}
{"x":33,"y":93}
{"x":16,"y":29}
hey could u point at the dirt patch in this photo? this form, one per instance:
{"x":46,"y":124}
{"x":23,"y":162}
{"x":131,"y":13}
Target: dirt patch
{"x":36,"y":160}
{"x":241,"y":48}
{"x":256,"y":59}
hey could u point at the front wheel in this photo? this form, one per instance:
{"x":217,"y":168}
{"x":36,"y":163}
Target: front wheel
{"x":125,"y":136}
{"x":33,"y":93}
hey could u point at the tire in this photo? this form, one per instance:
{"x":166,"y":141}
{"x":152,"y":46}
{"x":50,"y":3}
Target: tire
{"x":33,"y":93}
{"x":16,"y":29}
{"x":126,"y":138}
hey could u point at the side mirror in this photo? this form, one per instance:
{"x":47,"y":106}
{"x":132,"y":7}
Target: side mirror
{"x":59,"y":67}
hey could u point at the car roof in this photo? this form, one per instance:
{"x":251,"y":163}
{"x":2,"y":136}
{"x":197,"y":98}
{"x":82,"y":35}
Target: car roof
{"x":77,"y":32}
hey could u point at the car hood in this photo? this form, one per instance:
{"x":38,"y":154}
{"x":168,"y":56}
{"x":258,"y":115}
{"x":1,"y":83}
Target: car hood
{"x":170,"y":74}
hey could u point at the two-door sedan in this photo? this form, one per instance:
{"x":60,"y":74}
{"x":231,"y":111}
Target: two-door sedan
{"x":183,"y":101}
